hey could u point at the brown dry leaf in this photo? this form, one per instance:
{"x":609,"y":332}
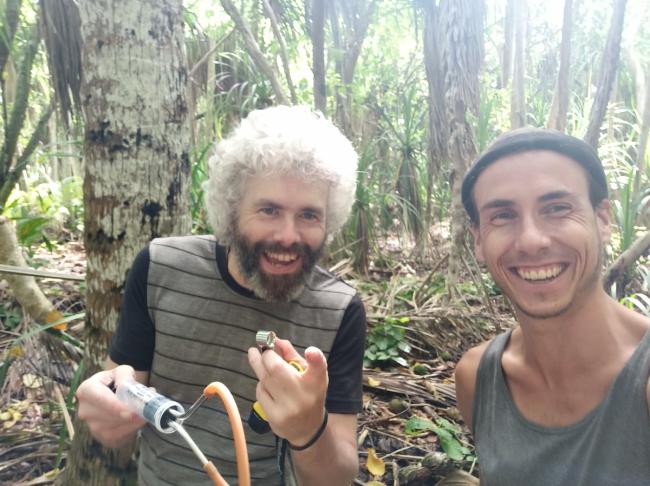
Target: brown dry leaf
{"x":458,"y":478}
{"x":375,"y":465}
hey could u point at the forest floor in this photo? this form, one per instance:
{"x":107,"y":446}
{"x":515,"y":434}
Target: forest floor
{"x":409,"y":432}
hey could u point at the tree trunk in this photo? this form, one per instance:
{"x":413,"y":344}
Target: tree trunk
{"x":13,"y":161}
{"x":13,"y":124}
{"x":283,"y":49}
{"x":318,"y":54}
{"x":462,"y":28}
{"x":518,"y":93}
{"x":438,"y":133}
{"x":508,"y":41}
{"x":348,"y":35}
{"x":560,"y":106}
{"x":136,"y":173}
{"x":27,"y":292}
{"x":645,"y":129}
{"x":617,"y":269}
{"x":254,"y":50}
{"x":608,"y":69}
{"x":11,"y":14}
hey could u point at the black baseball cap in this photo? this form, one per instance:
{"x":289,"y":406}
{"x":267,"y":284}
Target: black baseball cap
{"x":527,"y":139}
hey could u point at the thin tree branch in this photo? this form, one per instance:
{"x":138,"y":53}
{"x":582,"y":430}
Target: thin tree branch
{"x":14,"y":174}
{"x":19,"y":109}
{"x":640,"y":246}
{"x":318,"y":55}
{"x":254,"y":50}
{"x":207,"y":55}
{"x":11,"y":14}
{"x":608,"y":70}
{"x":283,"y":49}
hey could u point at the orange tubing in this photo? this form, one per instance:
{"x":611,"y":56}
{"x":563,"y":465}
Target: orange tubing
{"x":213,"y":474}
{"x":243,"y":471}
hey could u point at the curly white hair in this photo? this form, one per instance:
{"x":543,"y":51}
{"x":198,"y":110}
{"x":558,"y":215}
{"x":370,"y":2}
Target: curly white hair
{"x":281,"y":139}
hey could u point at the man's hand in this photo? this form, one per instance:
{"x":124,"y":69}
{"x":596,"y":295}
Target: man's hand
{"x":110,"y":421}
{"x":294,"y":403}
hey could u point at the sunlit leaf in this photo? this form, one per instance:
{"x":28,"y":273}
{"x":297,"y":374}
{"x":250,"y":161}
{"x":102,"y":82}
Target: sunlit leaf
{"x":16,"y":352}
{"x":373,"y":382}
{"x":32,"y":381}
{"x":375,"y":465}
{"x":54,"y":316}
{"x":416,"y":425}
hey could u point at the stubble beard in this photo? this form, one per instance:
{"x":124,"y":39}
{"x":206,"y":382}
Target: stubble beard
{"x":592,"y":282}
{"x":273,"y":288}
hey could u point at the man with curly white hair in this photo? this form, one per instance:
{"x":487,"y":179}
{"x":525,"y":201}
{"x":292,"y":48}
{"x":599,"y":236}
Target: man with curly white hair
{"x":279,"y":187}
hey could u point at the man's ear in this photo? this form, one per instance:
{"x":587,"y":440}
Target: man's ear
{"x":603,"y":219}
{"x":478,"y":249}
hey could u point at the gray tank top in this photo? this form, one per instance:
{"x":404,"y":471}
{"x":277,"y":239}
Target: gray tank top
{"x":610,"y":446}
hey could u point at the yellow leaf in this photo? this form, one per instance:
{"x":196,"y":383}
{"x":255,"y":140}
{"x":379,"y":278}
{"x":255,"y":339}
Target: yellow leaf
{"x":4,"y":416}
{"x":52,"y":474}
{"x":53,"y":316}
{"x":374,"y":464}
{"x":374,"y":483}
{"x":32,"y":381}
{"x":373,"y":382}
{"x":16,"y":352}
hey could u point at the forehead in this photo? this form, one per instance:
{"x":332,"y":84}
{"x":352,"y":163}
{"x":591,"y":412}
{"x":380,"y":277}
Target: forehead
{"x":285,"y":190}
{"x":529,"y":175}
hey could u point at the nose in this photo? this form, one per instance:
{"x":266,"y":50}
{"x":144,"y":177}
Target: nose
{"x":286,"y":232}
{"x":532,"y":237}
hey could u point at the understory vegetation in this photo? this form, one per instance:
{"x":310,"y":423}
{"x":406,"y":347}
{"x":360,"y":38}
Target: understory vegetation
{"x":396,"y":248}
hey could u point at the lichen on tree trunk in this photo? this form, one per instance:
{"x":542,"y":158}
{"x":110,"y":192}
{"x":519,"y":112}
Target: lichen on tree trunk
{"x":137,"y":168}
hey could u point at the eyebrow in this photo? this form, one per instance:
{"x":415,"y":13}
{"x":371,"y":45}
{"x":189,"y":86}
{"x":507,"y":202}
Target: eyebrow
{"x":504,"y":203}
{"x":267,"y":202}
{"x":497,"y":203}
{"x":550,"y":196}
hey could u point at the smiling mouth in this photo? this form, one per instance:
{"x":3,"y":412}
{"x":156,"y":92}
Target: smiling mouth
{"x":541,"y":274}
{"x":281,"y":259}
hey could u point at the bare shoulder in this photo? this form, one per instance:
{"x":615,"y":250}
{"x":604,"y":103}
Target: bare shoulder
{"x":465,"y":375}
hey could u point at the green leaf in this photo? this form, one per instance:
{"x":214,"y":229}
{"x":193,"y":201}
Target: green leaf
{"x":450,"y":445}
{"x":382,"y":343}
{"x":404,"y":346}
{"x":447,"y":425}
{"x":416,"y":425}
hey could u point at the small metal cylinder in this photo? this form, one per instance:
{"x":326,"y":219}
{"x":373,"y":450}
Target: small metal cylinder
{"x":265,"y":340}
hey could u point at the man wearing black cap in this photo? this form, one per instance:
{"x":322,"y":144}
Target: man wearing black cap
{"x":562,"y":399}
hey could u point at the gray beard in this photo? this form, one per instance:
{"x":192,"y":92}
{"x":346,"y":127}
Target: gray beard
{"x":273,"y":288}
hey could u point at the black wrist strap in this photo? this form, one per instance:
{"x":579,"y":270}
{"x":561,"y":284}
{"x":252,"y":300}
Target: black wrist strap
{"x":316,"y":436}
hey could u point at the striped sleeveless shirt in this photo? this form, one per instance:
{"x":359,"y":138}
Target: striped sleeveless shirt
{"x":203,"y":330}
